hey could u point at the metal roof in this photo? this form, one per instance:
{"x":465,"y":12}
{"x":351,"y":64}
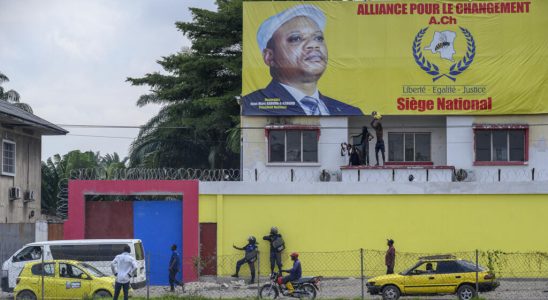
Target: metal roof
{"x":11,"y":115}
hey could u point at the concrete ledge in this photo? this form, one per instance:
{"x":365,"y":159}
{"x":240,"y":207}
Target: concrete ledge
{"x":365,"y":188}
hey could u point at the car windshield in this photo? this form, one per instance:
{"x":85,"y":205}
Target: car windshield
{"x":410,"y":269}
{"x":92,"y":270}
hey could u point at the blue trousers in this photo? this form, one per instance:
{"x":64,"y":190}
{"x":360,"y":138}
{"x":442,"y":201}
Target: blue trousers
{"x":173,"y":278}
{"x":117,"y":287}
{"x":275,"y":259}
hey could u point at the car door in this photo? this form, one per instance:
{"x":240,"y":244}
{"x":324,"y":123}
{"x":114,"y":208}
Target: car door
{"x":451,"y":275}
{"x":46,"y":271}
{"x":422,"y":281}
{"x":19,"y":260}
{"x":73,"y":283}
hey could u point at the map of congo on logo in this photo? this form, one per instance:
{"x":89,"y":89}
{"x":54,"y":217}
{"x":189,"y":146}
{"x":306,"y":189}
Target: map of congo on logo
{"x":443,"y":43}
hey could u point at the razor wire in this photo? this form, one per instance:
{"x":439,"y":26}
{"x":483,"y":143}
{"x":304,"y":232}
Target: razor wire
{"x":303,"y":174}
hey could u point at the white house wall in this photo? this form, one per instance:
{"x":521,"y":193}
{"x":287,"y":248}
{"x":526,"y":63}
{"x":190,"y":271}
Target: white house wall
{"x":460,"y":149}
{"x":333,"y":132}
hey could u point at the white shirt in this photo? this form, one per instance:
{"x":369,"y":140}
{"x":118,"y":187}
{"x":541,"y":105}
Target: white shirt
{"x":298,"y":95}
{"x":123,"y":264}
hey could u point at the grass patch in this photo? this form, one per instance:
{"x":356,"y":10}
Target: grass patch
{"x":186,"y":298}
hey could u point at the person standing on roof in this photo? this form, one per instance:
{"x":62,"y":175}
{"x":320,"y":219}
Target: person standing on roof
{"x":379,"y":145}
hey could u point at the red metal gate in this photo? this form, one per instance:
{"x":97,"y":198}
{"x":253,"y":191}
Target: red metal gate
{"x":208,"y":248}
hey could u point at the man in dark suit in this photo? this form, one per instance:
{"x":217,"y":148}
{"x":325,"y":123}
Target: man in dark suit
{"x":293,"y":46}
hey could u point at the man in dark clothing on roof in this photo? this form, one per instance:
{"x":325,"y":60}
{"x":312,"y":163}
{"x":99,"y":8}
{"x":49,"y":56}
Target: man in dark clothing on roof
{"x":379,"y":145}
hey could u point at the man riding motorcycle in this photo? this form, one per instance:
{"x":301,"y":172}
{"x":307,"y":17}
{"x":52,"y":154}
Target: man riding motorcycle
{"x":295,"y":273}
{"x":293,"y":285}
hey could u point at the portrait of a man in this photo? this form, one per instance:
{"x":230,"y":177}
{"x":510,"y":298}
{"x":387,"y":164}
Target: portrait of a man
{"x":293,"y":47}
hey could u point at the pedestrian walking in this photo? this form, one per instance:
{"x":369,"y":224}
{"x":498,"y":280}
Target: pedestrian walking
{"x":174,"y":264}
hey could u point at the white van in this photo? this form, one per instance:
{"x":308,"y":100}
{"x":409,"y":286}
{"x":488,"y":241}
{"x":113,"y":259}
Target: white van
{"x":98,"y":253}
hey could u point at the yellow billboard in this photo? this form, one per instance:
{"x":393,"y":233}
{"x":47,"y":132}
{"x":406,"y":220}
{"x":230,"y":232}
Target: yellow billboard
{"x":397,"y":57}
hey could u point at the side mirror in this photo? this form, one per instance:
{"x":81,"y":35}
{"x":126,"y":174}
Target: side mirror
{"x":85,"y":276}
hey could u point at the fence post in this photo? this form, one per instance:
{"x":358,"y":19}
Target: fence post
{"x":147,"y":274}
{"x":43,"y":270}
{"x":258,"y":274}
{"x":477,"y":267}
{"x":362,"y":271}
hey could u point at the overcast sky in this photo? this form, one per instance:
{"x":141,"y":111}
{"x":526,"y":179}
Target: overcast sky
{"x":69,"y":60}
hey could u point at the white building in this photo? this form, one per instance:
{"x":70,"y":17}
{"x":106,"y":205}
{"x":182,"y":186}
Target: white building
{"x":431,"y":148}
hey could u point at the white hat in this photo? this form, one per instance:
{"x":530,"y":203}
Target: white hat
{"x":270,"y":25}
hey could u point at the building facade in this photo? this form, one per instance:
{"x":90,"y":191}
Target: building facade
{"x":20,"y":177}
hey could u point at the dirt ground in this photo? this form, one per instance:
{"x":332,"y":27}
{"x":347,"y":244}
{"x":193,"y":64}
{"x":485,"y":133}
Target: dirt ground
{"x":350,"y":288}
{"x":330,"y":288}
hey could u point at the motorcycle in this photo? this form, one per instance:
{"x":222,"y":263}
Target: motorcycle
{"x":305,"y":287}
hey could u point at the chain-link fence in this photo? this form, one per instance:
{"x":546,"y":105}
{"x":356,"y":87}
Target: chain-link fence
{"x":344,"y":274}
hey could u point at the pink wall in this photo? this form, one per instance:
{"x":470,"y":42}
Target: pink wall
{"x":76,"y":223}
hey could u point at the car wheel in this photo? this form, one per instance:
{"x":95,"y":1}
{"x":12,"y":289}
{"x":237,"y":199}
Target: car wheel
{"x":466,"y":292}
{"x":101,"y":294}
{"x":390,"y":293}
{"x":268,"y":291}
{"x":26,"y":295}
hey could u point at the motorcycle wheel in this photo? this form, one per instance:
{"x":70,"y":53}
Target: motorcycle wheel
{"x":308,"y":292}
{"x":268,"y":291}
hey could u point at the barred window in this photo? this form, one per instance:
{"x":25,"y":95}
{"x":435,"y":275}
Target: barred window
{"x":8,"y":158}
{"x":85,"y":252}
{"x":293,"y":146}
{"x":504,"y":144}
{"x":409,"y":147}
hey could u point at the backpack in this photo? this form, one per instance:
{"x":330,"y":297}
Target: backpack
{"x":278,"y":244}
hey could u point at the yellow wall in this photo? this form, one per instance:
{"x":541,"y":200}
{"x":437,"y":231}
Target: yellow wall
{"x":418,"y":223}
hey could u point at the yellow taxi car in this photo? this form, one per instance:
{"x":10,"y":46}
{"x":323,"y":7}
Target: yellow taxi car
{"x":434,"y":275}
{"x":63,"y":279}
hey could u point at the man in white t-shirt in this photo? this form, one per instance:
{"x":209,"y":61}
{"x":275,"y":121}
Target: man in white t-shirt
{"x":123,"y":267}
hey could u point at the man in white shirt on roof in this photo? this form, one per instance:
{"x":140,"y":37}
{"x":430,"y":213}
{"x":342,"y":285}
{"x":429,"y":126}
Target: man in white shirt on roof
{"x":123,"y":267}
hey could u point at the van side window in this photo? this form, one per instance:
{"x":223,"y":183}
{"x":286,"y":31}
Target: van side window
{"x":99,"y":252}
{"x":29,"y":253}
{"x":48,"y":270}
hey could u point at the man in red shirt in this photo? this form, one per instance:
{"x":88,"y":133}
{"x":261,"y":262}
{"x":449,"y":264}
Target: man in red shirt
{"x":390,"y":257}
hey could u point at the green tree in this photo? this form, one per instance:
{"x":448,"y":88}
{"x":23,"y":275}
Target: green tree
{"x":12,"y":96}
{"x":197,"y":124}
{"x":112,"y":162}
{"x":57,"y":169}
